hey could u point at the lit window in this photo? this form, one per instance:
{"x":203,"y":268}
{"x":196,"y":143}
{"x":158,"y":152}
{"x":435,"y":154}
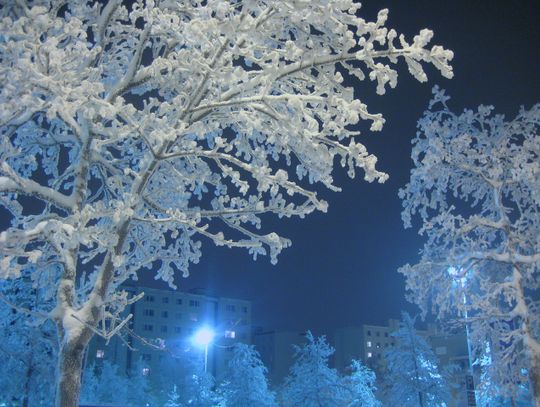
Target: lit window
{"x":145,"y":371}
{"x":230,"y":334}
{"x":100,"y":354}
{"x":368,"y":344}
{"x":369,"y":354}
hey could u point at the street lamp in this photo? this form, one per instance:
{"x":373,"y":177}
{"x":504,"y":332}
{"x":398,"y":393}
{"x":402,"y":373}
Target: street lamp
{"x":202,"y":338}
{"x":462,"y":280}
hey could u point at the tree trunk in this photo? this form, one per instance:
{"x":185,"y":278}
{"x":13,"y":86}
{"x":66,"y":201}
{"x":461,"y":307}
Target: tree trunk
{"x":534,"y":376}
{"x":70,"y":361}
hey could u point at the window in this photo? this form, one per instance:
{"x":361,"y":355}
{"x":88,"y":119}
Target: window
{"x":369,"y":332}
{"x":177,"y":329}
{"x":194,"y":303}
{"x":230,"y":334}
{"x":148,"y":327}
{"x":244,"y":309}
{"x":149,"y":298}
{"x":163,"y":328}
{"x":386,"y":334}
{"x":179,"y":301}
{"x":164,"y":314}
{"x":369,"y":354}
{"x":146,"y":357}
{"x":149,"y":312}
{"x":378,"y":345}
{"x":100,"y":354}
{"x":230,"y":308}
{"x":368,"y":343}
{"x":145,"y":371}
{"x":377,"y":334}
{"x":165,"y":300}
{"x":440,"y":350}
{"x":193,"y":318}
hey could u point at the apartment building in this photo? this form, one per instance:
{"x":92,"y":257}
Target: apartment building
{"x":169,"y":319}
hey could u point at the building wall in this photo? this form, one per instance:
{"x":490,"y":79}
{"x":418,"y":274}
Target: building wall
{"x":173,"y":317}
{"x":276,"y":349}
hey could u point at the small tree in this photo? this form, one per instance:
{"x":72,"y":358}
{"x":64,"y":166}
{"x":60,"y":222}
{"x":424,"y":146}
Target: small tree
{"x":413,"y":377}
{"x":476,"y":188}
{"x":28,"y":346}
{"x":245,"y":382}
{"x":105,"y":384}
{"x":132,"y":129}
{"x":174,"y":399}
{"x":311,"y":382}
{"x":359,"y":387}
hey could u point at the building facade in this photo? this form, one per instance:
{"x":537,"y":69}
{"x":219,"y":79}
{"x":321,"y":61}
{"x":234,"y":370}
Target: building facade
{"x":163,"y":323}
{"x":276,"y":349}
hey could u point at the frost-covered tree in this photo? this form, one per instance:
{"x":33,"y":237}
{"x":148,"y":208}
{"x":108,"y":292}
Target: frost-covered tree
{"x":358,"y":388}
{"x":104,"y":384}
{"x":412,"y":373}
{"x":130,"y":131}
{"x":28,"y":346}
{"x":174,"y":398}
{"x":311,"y":382}
{"x":245,"y":382}
{"x":476,"y":187}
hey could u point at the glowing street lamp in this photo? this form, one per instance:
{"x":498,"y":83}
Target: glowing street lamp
{"x":202,"y":338}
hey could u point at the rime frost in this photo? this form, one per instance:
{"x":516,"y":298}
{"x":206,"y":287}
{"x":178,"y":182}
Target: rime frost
{"x":476,"y":188}
{"x":128,"y":134}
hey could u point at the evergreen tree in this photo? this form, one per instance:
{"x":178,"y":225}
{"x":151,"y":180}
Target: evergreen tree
{"x":311,"y":382}
{"x":413,"y":377}
{"x":246,"y":383}
{"x":174,"y":399}
{"x":359,"y":387}
{"x":105,"y":384}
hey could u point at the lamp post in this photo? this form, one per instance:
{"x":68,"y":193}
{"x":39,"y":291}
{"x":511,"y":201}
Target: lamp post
{"x":471,"y":394}
{"x":202,"y":338}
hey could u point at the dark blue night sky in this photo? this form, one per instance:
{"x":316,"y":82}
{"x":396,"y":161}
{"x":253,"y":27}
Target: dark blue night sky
{"x":342,"y":267}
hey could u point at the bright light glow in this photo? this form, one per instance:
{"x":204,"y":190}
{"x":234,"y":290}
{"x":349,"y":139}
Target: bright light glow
{"x":230,"y":334}
{"x":100,"y":354}
{"x":203,"y":336}
{"x":369,"y":354}
{"x":369,"y":344}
